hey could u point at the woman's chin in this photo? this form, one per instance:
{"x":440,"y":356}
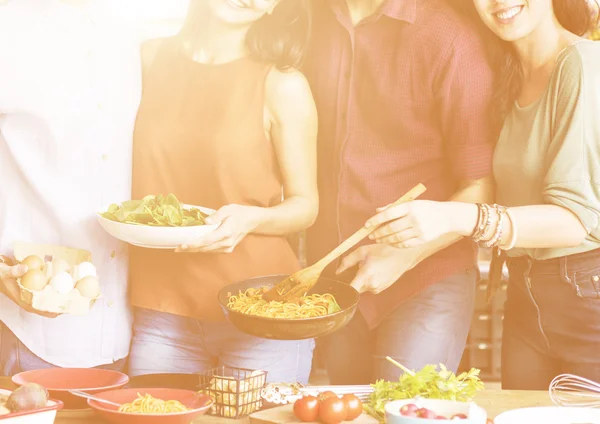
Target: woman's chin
{"x":511,"y":35}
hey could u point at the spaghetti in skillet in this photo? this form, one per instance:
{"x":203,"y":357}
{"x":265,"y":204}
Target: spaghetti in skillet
{"x":250,"y":302}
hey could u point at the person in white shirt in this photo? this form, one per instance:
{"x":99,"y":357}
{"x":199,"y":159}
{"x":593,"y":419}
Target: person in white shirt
{"x":70,"y":85}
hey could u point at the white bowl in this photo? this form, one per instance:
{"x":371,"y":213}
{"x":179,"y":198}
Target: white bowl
{"x":446,"y":408}
{"x":45,"y":415}
{"x":157,"y":237}
{"x":549,"y":415}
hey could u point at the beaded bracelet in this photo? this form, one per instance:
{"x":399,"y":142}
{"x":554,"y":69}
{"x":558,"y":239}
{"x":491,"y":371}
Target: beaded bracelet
{"x":500,"y":210}
{"x":479,"y":223}
{"x":486,"y":222}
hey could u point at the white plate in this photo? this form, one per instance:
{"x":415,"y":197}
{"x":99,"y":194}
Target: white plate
{"x":550,"y":415}
{"x":446,"y":408}
{"x":157,"y":237}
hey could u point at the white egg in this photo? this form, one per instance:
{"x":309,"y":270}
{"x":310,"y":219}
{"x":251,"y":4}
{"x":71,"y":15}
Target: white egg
{"x":59,"y":266}
{"x":62,"y":282}
{"x":84,"y":269}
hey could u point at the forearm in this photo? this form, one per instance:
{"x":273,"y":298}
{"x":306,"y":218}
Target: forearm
{"x":290,"y":216}
{"x":533,"y":227}
{"x":544,"y":226}
{"x":481,"y":191}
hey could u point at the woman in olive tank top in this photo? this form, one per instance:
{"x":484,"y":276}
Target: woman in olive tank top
{"x":546,"y":223}
{"x":227,"y":122}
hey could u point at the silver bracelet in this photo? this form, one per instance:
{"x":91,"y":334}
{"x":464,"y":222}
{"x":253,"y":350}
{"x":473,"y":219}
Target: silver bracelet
{"x":513,"y":235}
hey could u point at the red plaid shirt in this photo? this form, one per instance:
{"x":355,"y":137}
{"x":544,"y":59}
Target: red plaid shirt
{"x":402,"y":98}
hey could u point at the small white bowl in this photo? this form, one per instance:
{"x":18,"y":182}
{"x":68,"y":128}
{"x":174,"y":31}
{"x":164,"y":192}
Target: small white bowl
{"x":549,"y":415}
{"x":45,"y":415}
{"x":157,"y":237}
{"x":446,"y":408}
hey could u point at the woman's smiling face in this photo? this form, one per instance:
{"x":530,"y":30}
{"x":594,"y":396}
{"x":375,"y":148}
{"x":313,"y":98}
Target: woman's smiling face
{"x":512,"y":20}
{"x":240,"y":12}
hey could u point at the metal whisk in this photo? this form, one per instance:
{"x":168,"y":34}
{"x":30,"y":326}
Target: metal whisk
{"x":571,"y":390}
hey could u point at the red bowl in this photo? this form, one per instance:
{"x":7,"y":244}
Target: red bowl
{"x":58,"y":381}
{"x":198,"y":404}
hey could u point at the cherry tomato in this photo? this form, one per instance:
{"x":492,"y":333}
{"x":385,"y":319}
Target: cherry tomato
{"x":324,"y":395}
{"x":426,"y":413}
{"x":307,"y":408}
{"x":354,"y":407}
{"x":459,"y":417}
{"x":409,"y":410}
{"x":332,"y":410}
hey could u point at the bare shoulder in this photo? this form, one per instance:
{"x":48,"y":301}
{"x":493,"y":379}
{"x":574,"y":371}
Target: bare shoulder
{"x":288,"y":91}
{"x":149,"y":49}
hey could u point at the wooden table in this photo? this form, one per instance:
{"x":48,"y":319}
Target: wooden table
{"x":493,"y":401}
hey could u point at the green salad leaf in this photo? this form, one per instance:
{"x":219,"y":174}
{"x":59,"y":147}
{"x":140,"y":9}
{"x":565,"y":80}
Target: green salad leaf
{"x":333,"y":307}
{"x":157,"y":211}
{"x":428,"y":383}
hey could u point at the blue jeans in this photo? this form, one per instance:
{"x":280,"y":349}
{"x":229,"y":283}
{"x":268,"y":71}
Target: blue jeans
{"x":551,"y":321}
{"x":167,"y":343}
{"x":15,"y":357}
{"x":430,"y":328}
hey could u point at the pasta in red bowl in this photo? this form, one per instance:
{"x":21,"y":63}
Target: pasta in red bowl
{"x":152,"y":406}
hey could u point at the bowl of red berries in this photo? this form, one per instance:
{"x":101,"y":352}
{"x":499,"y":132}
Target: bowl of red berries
{"x":431,"y":411}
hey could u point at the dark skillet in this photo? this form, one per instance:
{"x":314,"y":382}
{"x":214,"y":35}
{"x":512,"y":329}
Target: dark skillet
{"x":292,"y":329}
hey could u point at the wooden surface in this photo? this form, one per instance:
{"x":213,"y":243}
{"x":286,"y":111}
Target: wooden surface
{"x":497,"y":401}
{"x":493,"y":401}
{"x":88,"y":417}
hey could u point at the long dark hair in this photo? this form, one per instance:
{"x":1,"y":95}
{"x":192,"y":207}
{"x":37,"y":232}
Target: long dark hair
{"x":574,"y":15}
{"x":279,"y":38}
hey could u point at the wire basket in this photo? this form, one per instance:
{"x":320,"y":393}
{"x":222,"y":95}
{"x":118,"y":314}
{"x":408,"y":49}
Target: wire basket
{"x":236,"y":391}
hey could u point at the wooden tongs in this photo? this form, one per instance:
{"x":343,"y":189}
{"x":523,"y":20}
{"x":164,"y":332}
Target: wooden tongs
{"x":299,"y":283}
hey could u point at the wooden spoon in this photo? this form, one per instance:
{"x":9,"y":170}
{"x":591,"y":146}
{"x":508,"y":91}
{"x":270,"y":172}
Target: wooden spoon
{"x":299,"y":283}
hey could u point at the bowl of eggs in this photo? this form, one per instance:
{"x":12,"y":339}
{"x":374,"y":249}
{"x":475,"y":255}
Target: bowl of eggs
{"x":62,"y":281}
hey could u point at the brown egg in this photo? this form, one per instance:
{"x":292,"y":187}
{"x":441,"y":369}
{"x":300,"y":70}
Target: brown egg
{"x":34,"y":280}
{"x":33,"y":262}
{"x":89,"y":287}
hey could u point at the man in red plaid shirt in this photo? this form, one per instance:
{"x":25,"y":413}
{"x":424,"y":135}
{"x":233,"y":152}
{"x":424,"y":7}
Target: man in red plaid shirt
{"x":403,"y":89}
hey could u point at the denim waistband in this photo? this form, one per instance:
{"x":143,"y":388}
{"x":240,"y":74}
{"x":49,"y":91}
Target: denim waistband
{"x":563,"y":264}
